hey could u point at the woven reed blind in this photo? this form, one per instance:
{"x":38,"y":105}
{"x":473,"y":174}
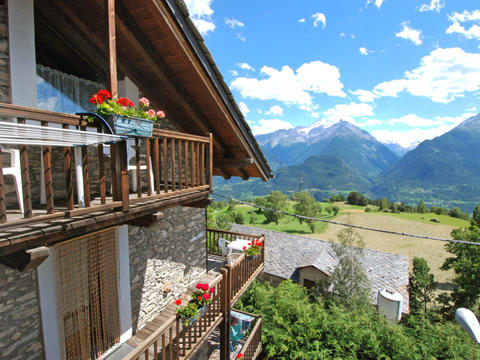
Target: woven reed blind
{"x":87,"y":294}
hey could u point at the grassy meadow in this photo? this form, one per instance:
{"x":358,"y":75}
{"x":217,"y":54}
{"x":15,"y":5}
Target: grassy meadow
{"x":433,"y":251}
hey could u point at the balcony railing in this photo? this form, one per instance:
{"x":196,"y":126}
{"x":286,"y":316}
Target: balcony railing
{"x":213,"y":235}
{"x":165,"y":165}
{"x":172,"y":341}
{"x":253,"y":346}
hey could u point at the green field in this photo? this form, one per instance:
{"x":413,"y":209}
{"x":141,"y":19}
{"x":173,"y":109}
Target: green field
{"x":426,"y":218}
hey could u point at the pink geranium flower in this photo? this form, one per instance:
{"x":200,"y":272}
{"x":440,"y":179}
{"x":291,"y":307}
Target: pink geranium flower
{"x":151,"y":113}
{"x":161,"y":114}
{"x":144,"y":101}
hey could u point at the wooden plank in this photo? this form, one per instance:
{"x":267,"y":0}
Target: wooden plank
{"x":47,"y":176}
{"x":67,"y":158}
{"x":202,"y":164}
{"x":180,"y":165}
{"x":3,"y":202}
{"x":186,"y":164}
{"x":112,"y":47}
{"x":125,"y":190}
{"x":172,"y":145}
{"x":27,"y":197}
{"x":149,"y":169}
{"x":194,"y":167}
{"x":101,"y":175}
{"x":210,"y":162}
{"x":86,"y":180}
{"x":137,"y":163}
{"x":47,"y":173}
{"x":165,"y":165}
{"x":24,"y":112}
{"x":156,"y":162}
{"x":113,"y":168}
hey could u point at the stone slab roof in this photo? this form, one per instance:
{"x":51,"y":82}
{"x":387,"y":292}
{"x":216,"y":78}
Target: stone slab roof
{"x":284,"y":253}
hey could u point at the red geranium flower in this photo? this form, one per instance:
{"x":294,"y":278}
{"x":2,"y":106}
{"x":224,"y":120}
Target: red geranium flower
{"x":178,"y":302}
{"x":212,"y":290}
{"x":239,"y":356}
{"x":206,"y":296}
{"x":104,"y":94}
{"x":125,"y":102}
{"x":198,"y":286}
{"x":95,"y":99}
{"x":199,"y":298}
{"x":244,"y":248}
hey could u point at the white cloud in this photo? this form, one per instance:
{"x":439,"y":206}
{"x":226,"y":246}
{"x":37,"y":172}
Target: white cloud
{"x":408,"y":33}
{"x":435,"y":5}
{"x":233,"y":23}
{"x":473,"y":32}
{"x":342,"y":34}
{"x":370,"y":122}
{"x":407,"y":138}
{"x":319,"y":18}
{"x":275,"y":110}
{"x":302,"y":20}
{"x":241,"y":37}
{"x":363,"y":51}
{"x":378,"y":3}
{"x":292,"y":87}
{"x":268,"y":126}
{"x":443,"y":75}
{"x":201,"y":12}
{"x":348,"y":112}
{"x":364,"y":95}
{"x":233,"y":72}
{"x":243,"y":108}
{"x":245,"y":66}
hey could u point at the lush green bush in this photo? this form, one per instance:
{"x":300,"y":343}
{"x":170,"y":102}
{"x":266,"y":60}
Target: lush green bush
{"x":295,"y":327}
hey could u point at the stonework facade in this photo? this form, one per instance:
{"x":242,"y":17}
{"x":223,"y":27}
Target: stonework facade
{"x":4,"y":57}
{"x":164,"y":260}
{"x":20,"y":325}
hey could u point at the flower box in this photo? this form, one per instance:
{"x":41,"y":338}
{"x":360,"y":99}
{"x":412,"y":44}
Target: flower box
{"x":251,"y":257}
{"x":187,"y":322}
{"x":130,"y":126}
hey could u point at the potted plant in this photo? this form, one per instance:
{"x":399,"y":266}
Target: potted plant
{"x":253,"y":250}
{"x":123,"y":116}
{"x":197,"y":305}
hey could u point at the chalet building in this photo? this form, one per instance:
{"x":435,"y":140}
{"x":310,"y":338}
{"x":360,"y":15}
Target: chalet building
{"x":100,"y":233}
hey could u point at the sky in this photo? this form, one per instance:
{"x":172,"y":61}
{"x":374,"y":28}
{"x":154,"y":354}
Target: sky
{"x":403,"y":70}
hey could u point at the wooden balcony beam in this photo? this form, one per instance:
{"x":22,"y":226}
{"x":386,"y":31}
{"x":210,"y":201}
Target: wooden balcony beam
{"x":26,"y":260}
{"x":148,"y":220}
{"x":201,"y":204}
{"x":231,"y":163}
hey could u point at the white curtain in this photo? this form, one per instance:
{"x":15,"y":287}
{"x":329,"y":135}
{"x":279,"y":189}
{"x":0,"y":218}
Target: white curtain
{"x":62,"y":92}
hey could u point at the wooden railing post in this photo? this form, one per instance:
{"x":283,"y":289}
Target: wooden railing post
{"x":3,"y":202}
{"x":27,"y":196}
{"x":210,"y":161}
{"x":225,"y":324}
{"x":124,"y":185}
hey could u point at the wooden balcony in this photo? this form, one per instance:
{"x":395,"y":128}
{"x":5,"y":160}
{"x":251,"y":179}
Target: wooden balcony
{"x":165,"y":338}
{"x":242,"y":271}
{"x":120,"y":182}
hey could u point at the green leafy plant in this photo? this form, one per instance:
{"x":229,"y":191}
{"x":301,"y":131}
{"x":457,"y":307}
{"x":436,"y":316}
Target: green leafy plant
{"x":106,"y":105}
{"x":200,"y":298}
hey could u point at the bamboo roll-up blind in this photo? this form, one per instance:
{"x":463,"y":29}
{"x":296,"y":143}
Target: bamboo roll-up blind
{"x":88,"y":294}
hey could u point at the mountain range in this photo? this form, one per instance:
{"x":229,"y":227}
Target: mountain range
{"x":342,"y":157}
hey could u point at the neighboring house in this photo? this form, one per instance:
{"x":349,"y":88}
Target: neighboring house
{"x":306,"y":261}
{"x":92,"y":259}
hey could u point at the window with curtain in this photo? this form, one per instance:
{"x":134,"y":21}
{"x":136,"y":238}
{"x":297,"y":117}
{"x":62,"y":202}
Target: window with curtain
{"x":57,"y":91}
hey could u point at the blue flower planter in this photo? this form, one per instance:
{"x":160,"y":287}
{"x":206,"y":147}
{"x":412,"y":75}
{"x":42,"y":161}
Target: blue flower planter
{"x":130,"y":126}
{"x":187,"y":322}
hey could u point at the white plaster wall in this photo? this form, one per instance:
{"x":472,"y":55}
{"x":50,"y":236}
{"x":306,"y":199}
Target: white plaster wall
{"x":21,"y":34}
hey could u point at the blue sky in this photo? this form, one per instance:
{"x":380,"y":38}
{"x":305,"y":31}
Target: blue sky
{"x":405,"y":70}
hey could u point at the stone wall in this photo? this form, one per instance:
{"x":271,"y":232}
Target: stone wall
{"x":20,"y":323}
{"x":4,"y":57}
{"x":164,"y":260}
